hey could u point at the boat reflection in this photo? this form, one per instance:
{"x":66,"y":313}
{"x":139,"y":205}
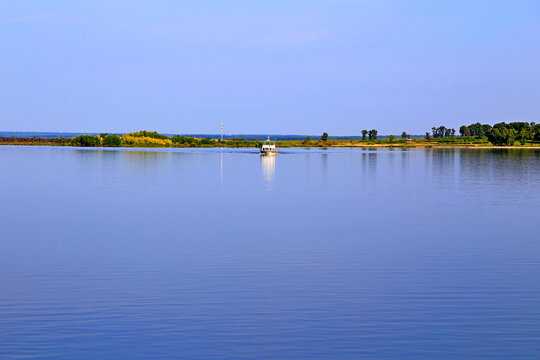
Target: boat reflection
{"x":269,"y":169}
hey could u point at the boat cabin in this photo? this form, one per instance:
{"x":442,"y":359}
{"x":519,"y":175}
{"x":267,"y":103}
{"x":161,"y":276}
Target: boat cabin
{"x":268,"y":147}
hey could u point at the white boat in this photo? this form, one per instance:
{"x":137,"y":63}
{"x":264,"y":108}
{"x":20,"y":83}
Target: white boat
{"x":268,"y":147}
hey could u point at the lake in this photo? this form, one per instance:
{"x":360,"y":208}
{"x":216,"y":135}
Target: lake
{"x":314,"y":253}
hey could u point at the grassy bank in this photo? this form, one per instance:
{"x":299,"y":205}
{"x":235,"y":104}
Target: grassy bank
{"x":146,"y":139}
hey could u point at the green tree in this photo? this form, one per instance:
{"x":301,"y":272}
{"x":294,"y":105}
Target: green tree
{"x":111,"y":140}
{"x":497,"y":136}
{"x":479,"y":130}
{"x":150,"y":134}
{"x":179,"y":139}
{"x":391,"y":138}
{"x":372,"y":134}
{"x":536,"y":132}
{"x":86,"y":140}
{"x":404,"y":135}
{"x":364,"y":134}
{"x":502,"y":135}
{"x":520,"y":126}
{"x":524,"y":135}
{"x":427,"y":136}
{"x":324,"y":137}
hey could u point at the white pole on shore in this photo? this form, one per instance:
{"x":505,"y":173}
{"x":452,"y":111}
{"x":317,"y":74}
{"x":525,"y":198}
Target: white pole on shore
{"x":222,"y":132}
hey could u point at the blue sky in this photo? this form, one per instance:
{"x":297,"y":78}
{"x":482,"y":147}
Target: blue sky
{"x":267,"y":66}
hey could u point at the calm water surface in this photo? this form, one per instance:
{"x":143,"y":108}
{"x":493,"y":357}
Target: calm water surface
{"x":202,"y":254}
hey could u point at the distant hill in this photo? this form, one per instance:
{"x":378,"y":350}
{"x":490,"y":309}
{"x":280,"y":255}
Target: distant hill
{"x":39,"y":134}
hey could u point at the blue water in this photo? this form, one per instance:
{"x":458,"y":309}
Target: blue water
{"x":203,"y":254}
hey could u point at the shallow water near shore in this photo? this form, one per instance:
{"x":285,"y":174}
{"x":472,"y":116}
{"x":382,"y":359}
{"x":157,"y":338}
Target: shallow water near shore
{"x":313,"y":253}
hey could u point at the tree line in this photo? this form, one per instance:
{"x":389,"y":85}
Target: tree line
{"x":145,"y":138}
{"x":371,"y":134}
{"x":498,"y":134}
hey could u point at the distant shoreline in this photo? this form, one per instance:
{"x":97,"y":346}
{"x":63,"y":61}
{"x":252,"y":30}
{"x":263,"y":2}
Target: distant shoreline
{"x":285,"y":146}
{"x":152,"y":139}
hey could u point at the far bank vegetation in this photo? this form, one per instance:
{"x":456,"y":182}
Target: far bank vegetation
{"x":145,"y":139}
{"x":517,"y":134}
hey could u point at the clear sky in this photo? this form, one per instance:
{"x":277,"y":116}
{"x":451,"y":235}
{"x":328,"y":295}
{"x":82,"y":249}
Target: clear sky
{"x":267,"y":66}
